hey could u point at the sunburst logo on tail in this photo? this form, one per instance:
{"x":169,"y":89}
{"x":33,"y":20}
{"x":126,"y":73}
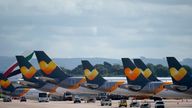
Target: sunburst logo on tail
{"x":47,"y":67}
{"x":91,"y":75}
{"x":132,"y":75}
{"x":28,"y":73}
{"x":147,"y":72}
{"x":5,"y":83}
{"x":178,"y":74}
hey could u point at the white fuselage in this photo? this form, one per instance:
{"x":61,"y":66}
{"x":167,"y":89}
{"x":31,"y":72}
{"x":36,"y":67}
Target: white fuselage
{"x":121,"y":91}
{"x":172,"y":94}
{"x":80,"y":90}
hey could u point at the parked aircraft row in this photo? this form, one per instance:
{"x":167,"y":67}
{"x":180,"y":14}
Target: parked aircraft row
{"x":140,"y":80}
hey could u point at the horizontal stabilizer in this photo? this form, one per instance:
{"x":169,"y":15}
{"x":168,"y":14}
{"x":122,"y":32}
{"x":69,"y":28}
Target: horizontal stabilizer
{"x":27,"y":83}
{"x":176,"y":87}
{"x":47,"y":79}
{"x":90,"y":86}
{"x":132,"y":87}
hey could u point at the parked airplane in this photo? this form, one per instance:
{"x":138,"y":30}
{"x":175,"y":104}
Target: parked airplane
{"x":182,"y":79}
{"x":136,"y":80}
{"x":97,"y":82}
{"x":153,"y":85}
{"x":9,"y":72}
{"x":28,"y":72}
{"x":160,"y":90}
{"x":7,"y":88}
{"x":54,"y":74}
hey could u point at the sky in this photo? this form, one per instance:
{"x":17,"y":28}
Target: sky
{"x":97,"y":28}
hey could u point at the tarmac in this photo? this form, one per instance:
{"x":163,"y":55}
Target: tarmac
{"x":70,"y":104}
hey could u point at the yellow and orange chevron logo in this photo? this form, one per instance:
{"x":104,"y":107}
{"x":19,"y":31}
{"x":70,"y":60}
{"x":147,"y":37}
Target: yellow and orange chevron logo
{"x":178,"y":74}
{"x":47,"y":68}
{"x":5,"y":83}
{"x":28,"y":73}
{"x":147,"y":72}
{"x":132,"y":75}
{"x":91,"y":75}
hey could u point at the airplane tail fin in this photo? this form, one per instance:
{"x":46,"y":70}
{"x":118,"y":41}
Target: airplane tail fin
{"x":15,"y":72}
{"x":133,"y":74}
{"x":179,"y":74}
{"x":28,"y":71}
{"x":145,"y":70}
{"x":49,"y":67}
{"x":6,"y":84}
{"x":27,"y":54}
{"x":91,"y":74}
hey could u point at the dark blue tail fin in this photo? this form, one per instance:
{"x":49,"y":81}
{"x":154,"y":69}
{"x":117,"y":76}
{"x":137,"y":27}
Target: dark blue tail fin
{"x":179,"y":74}
{"x":6,"y":84}
{"x":133,"y":74}
{"x":145,"y":70}
{"x":11,"y":68}
{"x":91,"y":74}
{"x":49,"y":67}
{"x":28,"y":71}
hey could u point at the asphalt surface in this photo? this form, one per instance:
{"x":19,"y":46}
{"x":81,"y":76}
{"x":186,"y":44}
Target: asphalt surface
{"x":70,"y":104}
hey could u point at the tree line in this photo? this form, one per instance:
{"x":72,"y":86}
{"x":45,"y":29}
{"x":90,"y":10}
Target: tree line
{"x":116,"y":70}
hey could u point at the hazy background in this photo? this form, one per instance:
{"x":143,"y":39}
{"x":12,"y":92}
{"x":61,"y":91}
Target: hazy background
{"x":97,"y":28}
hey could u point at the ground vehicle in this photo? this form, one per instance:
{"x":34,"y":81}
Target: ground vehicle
{"x":134,"y":104}
{"x":77,"y":100}
{"x":23,"y":99}
{"x":106,"y":101}
{"x":91,"y":100}
{"x":67,"y":96}
{"x":7,"y":99}
{"x":159,"y":104}
{"x":102,"y":95}
{"x":123,"y":102}
{"x":145,"y":105}
{"x":43,"y":97}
